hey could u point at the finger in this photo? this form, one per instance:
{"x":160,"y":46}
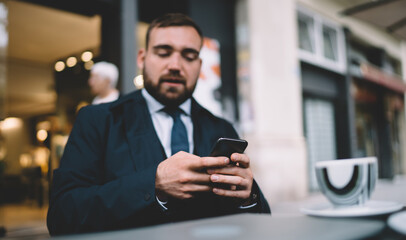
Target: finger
{"x":230,"y":180}
{"x":230,"y":193}
{"x":241,"y":159}
{"x":194,"y":177}
{"x":210,"y":162}
{"x":245,"y":173}
{"x":192,"y":188}
{"x":227,"y":170}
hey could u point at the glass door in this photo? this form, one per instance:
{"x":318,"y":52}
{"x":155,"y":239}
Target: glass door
{"x":320,"y":134}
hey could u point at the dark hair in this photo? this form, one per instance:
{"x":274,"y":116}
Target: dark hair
{"x":170,"y":20}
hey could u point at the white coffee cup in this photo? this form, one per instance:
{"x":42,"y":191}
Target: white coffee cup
{"x":347,"y":182}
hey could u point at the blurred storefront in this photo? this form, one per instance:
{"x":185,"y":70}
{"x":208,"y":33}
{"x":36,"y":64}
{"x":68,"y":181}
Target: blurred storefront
{"x":380,"y":118}
{"x":318,"y":84}
{"x":378,"y":92}
{"x":352,"y":94}
{"x":45,"y":65}
{"x":354,"y":82}
{"x":29,"y":121}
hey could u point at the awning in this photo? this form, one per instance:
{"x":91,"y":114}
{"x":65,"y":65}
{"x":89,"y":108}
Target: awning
{"x":375,"y":75}
{"x":388,"y":14}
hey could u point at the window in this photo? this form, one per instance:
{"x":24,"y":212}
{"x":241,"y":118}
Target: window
{"x":306,"y":34}
{"x":321,"y":42}
{"x":330,"y":43}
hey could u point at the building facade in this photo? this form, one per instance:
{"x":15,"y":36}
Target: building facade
{"x":321,"y":88}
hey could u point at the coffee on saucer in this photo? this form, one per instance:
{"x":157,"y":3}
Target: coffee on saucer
{"x":347,"y":182}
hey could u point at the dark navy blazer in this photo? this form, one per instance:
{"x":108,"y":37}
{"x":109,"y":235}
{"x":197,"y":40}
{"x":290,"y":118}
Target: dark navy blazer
{"x":106,"y":179}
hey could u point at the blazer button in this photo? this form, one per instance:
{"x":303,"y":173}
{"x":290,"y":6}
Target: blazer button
{"x":147,"y":197}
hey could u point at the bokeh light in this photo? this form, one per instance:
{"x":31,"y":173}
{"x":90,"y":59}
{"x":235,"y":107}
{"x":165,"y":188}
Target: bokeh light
{"x":139,"y":82}
{"x":71,"y":61}
{"x":42,"y":135}
{"x":89,"y":65}
{"x":59,"y":66}
{"x":87,"y":56}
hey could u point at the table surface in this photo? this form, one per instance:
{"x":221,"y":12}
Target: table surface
{"x":251,"y":226}
{"x":286,"y":222}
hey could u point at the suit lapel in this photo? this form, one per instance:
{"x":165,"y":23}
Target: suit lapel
{"x":141,"y":135}
{"x":144,"y":144}
{"x":201,"y":135}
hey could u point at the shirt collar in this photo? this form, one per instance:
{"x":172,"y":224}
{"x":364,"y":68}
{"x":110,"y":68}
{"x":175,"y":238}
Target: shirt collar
{"x":155,"y":106}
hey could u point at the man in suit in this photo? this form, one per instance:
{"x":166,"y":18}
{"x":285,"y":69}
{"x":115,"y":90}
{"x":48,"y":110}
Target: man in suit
{"x":135,"y":162}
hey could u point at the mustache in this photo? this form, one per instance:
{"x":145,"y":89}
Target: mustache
{"x":174,"y":78}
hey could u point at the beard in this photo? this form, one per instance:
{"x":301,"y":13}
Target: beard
{"x":167,"y":95}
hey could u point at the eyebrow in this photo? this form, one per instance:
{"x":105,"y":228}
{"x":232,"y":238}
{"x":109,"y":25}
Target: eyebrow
{"x":169,"y":47}
{"x":190,"y":50}
{"x":162,"y":46}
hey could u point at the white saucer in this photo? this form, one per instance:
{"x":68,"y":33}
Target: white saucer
{"x":371,"y":208}
{"x":397,"y":222}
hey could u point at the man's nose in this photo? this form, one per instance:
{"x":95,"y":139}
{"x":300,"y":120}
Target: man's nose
{"x":175,"y":62}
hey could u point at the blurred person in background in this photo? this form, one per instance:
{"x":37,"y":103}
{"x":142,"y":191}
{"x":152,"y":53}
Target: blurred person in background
{"x":103,"y":81}
{"x":142,"y":160}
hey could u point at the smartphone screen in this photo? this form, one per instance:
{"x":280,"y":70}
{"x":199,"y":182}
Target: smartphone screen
{"x":227,"y":146}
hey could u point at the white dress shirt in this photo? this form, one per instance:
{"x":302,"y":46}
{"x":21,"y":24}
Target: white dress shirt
{"x":163,"y":122}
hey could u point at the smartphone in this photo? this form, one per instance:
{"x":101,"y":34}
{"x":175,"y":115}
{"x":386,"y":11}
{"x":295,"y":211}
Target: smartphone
{"x":227,"y":146}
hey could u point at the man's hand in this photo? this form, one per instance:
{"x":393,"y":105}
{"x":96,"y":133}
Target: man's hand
{"x":184,"y":174}
{"x":238,"y":176}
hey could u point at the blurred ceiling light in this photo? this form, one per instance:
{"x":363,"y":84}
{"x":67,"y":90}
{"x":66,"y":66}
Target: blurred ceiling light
{"x":89,"y":65}
{"x":11,"y":123}
{"x":41,"y":155}
{"x":25,"y":160}
{"x":42,"y":135}
{"x":59,"y":66}
{"x":71,"y":61}
{"x":139,"y":81}
{"x":87,"y":56}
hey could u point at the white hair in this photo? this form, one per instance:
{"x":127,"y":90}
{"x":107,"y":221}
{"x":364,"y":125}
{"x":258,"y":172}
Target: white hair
{"x":107,"y":70}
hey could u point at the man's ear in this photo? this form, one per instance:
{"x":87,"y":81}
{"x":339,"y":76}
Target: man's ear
{"x":141,"y":58}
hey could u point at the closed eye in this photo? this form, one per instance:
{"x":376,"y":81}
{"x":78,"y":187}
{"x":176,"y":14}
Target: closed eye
{"x":163,"y":50}
{"x":190,"y":54}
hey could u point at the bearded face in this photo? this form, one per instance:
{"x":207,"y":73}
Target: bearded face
{"x":170,"y":90}
{"x":171,"y":64}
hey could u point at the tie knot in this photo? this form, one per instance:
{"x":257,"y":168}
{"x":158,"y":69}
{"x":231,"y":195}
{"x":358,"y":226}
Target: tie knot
{"x":173,"y":112}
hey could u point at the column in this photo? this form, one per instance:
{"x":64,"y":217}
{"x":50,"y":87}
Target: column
{"x":277,"y":146}
{"x":129,"y":18}
{"x":118,"y":40}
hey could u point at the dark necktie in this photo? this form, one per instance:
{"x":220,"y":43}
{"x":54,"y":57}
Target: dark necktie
{"x":179,"y":138}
